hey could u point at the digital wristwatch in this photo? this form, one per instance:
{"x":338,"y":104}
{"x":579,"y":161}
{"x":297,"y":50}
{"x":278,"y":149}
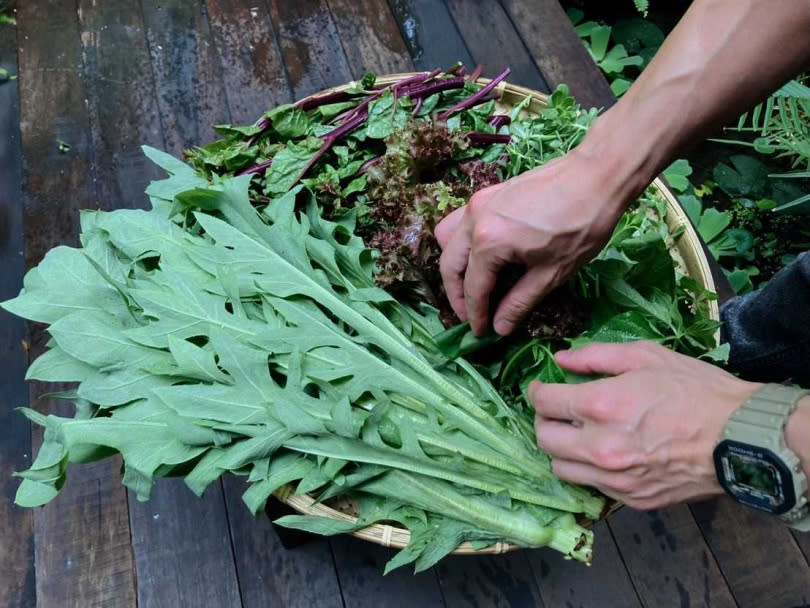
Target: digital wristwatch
{"x":755,"y":466}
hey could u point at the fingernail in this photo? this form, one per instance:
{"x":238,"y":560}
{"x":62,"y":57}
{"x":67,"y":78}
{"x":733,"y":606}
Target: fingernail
{"x":562,"y":354}
{"x":502,"y":327}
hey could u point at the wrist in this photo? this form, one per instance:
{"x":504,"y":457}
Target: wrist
{"x":731,"y":394}
{"x":622,"y":154}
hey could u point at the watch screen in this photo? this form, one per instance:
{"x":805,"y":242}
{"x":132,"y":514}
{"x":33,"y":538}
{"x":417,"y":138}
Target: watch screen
{"x":754,"y":476}
{"x":757,"y":475}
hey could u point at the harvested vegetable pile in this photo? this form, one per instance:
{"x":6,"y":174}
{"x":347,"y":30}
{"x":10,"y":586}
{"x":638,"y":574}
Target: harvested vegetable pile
{"x":277,"y":315}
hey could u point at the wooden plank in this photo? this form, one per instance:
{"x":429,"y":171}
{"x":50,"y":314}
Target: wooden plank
{"x":605,"y":583}
{"x":558,"y":52}
{"x":188,"y":78}
{"x":667,"y":558}
{"x":121,"y":101}
{"x":83,"y":555}
{"x":182,"y":548}
{"x":17,"y":549}
{"x":756,"y":553}
{"x":494,"y":42}
{"x":310,"y":46}
{"x":370,"y":37}
{"x":269,"y":574}
{"x":488,"y":580}
{"x":252,"y":69}
{"x":360,"y":565}
{"x":177,"y":564}
{"x":431,"y":35}
{"x":803,"y":540}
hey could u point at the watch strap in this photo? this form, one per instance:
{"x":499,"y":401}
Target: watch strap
{"x":767,"y":409}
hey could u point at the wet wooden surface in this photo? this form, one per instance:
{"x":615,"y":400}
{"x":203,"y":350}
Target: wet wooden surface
{"x":106,"y":77}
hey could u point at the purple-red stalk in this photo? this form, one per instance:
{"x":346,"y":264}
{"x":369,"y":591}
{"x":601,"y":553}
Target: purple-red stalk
{"x":454,"y":69}
{"x":329,"y":139}
{"x":418,"y":79}
{"x":260,"y":168}
{"x":476,"y":137}
{"x":417,"y":106}
{"x":499,"y":120}
{"x":475,"y":98}
{"x":426,"y":90}
{"x":476,"y":73}
{"x":307,"y":103}
{"x":316,"y":101}
{"x":394,"y":86}
{"x":368,"y":165}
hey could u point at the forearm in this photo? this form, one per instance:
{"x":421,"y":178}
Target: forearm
{"x":722,"y":58}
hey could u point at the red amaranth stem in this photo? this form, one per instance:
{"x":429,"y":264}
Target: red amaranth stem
{"x":426,"y":90}
{"x":477,"y":137}
{"x":476,"y":73}
{"x":316,"y":101}
{"x":475,"y":98}
{"x":417,"y":87}
{"x":368,"y":165}
{"x":260,"y":168}
{"x":306,"y":104}
{"x":457,"y":69}
{"x":394,"y":87}
{"x":329,"y":139}
{"x":418,"y":79}
{"x":499,"y":120}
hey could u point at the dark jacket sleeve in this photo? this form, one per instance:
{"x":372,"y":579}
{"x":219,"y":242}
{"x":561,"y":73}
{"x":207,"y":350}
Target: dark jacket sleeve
{"x":769,"y":330}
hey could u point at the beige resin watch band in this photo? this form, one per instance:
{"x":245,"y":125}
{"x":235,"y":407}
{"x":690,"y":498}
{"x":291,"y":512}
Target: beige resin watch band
{"x":760,"y":421}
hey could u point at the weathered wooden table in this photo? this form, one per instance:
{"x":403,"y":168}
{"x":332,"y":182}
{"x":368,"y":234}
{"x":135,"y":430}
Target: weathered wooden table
{"x":105,"y":76}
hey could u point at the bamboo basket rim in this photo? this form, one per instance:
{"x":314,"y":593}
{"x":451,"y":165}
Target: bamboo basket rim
{"x":686,"y":251}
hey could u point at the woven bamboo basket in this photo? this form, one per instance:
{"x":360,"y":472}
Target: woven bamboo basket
{"x":686,"y":251}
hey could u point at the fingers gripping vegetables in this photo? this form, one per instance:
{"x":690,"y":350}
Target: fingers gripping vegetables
{"x":276,"y":315}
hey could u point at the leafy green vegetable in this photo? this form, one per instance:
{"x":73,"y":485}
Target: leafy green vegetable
{"x":245,"y":325}
{"x":179,"y":357}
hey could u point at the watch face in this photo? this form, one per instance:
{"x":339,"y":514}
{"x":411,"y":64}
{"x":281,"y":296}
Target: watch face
{"x":754,"y":476}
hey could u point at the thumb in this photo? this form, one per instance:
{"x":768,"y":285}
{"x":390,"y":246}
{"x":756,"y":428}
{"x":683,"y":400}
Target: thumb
{"x":521,"y":299}
{"x":609,"y":359}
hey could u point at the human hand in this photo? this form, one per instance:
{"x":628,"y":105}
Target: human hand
{"x":644,"y":436}
{"x":549,"y":221}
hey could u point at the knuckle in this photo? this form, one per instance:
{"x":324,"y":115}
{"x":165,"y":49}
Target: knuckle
{"x":625,"y":484}
{"x":483,"y":233}
{"x":598,"y":407}
{"x":449,"y":268}
{"x":610,"y":455}
{"x":477,"y":203}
